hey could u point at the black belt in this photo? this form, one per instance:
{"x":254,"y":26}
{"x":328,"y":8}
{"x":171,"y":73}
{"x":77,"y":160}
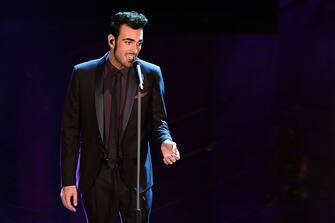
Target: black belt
{"x":111,"y":163}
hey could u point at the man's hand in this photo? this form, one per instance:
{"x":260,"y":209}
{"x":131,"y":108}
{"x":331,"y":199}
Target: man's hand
{"x":66,"y":194}
{"x":170,"y":152}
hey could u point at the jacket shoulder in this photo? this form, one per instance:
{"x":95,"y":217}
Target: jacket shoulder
{"x":150,"y":67}
{"x":87,"y":65}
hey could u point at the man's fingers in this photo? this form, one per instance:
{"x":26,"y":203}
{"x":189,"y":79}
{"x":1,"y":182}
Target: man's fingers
{"x":164,"y":160}
{"x":63,"y":199}
{"x":176,"y":156}
{"x":68,"y":203}
{"x":167,"y":161}
{"x":175,"y":152}
{"x":69,"y":196}
{"x":171,"y":153}
{"x":75,"y":199}
{"x":174,"y":147}
{"x":172,"y":158}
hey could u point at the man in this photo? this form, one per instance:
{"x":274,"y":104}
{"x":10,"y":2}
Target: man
{"x":100,"y":118}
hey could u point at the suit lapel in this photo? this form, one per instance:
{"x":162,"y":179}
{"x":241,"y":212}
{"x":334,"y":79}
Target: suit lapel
{"x":99,"y":105}
{"x":131,"y":91}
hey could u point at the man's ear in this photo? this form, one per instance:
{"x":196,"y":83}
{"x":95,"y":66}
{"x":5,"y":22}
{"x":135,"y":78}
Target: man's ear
{"x":111,"y":41}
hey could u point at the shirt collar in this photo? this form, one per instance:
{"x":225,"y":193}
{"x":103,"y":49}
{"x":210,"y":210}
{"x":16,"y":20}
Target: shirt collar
{"x":114,"y":70}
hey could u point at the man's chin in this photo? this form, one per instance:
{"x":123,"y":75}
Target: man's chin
{"x":128,"y":64}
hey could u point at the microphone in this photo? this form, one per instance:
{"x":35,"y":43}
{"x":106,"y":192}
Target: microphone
{"x":139,"y":74}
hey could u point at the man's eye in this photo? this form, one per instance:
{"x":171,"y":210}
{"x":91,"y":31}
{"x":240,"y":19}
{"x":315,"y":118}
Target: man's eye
{"x":127,"y":42}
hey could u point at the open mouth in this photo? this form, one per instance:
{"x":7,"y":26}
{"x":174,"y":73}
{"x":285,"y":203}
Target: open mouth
{"x":131,"y":58}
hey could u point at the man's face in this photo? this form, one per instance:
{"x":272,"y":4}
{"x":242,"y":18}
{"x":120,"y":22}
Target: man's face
{"x":127,"y":46}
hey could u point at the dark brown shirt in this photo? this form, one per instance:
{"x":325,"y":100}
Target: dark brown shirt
{"x":108,"y":83}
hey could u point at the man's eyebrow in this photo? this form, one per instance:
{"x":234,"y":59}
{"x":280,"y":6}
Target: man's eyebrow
{"x":130,"y":39}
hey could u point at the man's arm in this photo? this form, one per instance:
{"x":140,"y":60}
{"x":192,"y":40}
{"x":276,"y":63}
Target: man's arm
{"x":69,"y":143}
{"x":161,"y":133}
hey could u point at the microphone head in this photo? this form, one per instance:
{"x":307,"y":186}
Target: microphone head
{"x":136,"y":62}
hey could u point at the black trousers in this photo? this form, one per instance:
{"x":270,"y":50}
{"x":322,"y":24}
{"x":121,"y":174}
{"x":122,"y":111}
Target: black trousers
{"x":109,"y":200}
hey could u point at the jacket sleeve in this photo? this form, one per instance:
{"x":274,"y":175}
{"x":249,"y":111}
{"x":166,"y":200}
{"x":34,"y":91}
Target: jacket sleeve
{"x":70,"y":132}
{"x":160,"y":129}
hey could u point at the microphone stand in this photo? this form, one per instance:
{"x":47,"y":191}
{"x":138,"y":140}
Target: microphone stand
{"x":139,"y":90}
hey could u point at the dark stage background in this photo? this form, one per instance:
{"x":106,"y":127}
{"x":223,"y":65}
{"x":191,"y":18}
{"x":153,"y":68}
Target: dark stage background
{"x":250,"y":93}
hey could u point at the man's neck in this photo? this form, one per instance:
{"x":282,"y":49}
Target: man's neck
{"x":114,"y":62}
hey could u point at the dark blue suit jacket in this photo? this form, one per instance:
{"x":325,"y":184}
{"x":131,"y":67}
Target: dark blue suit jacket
{"x":82,"y":126}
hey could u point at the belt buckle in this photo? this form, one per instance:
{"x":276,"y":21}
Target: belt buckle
{"x":111,"y":163}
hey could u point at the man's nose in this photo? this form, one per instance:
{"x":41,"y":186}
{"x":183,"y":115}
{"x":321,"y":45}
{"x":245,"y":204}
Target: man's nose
{"x":136,"y":49}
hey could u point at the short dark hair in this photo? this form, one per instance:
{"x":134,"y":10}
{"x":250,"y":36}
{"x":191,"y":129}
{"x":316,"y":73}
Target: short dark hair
{"x":133,"y":19}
